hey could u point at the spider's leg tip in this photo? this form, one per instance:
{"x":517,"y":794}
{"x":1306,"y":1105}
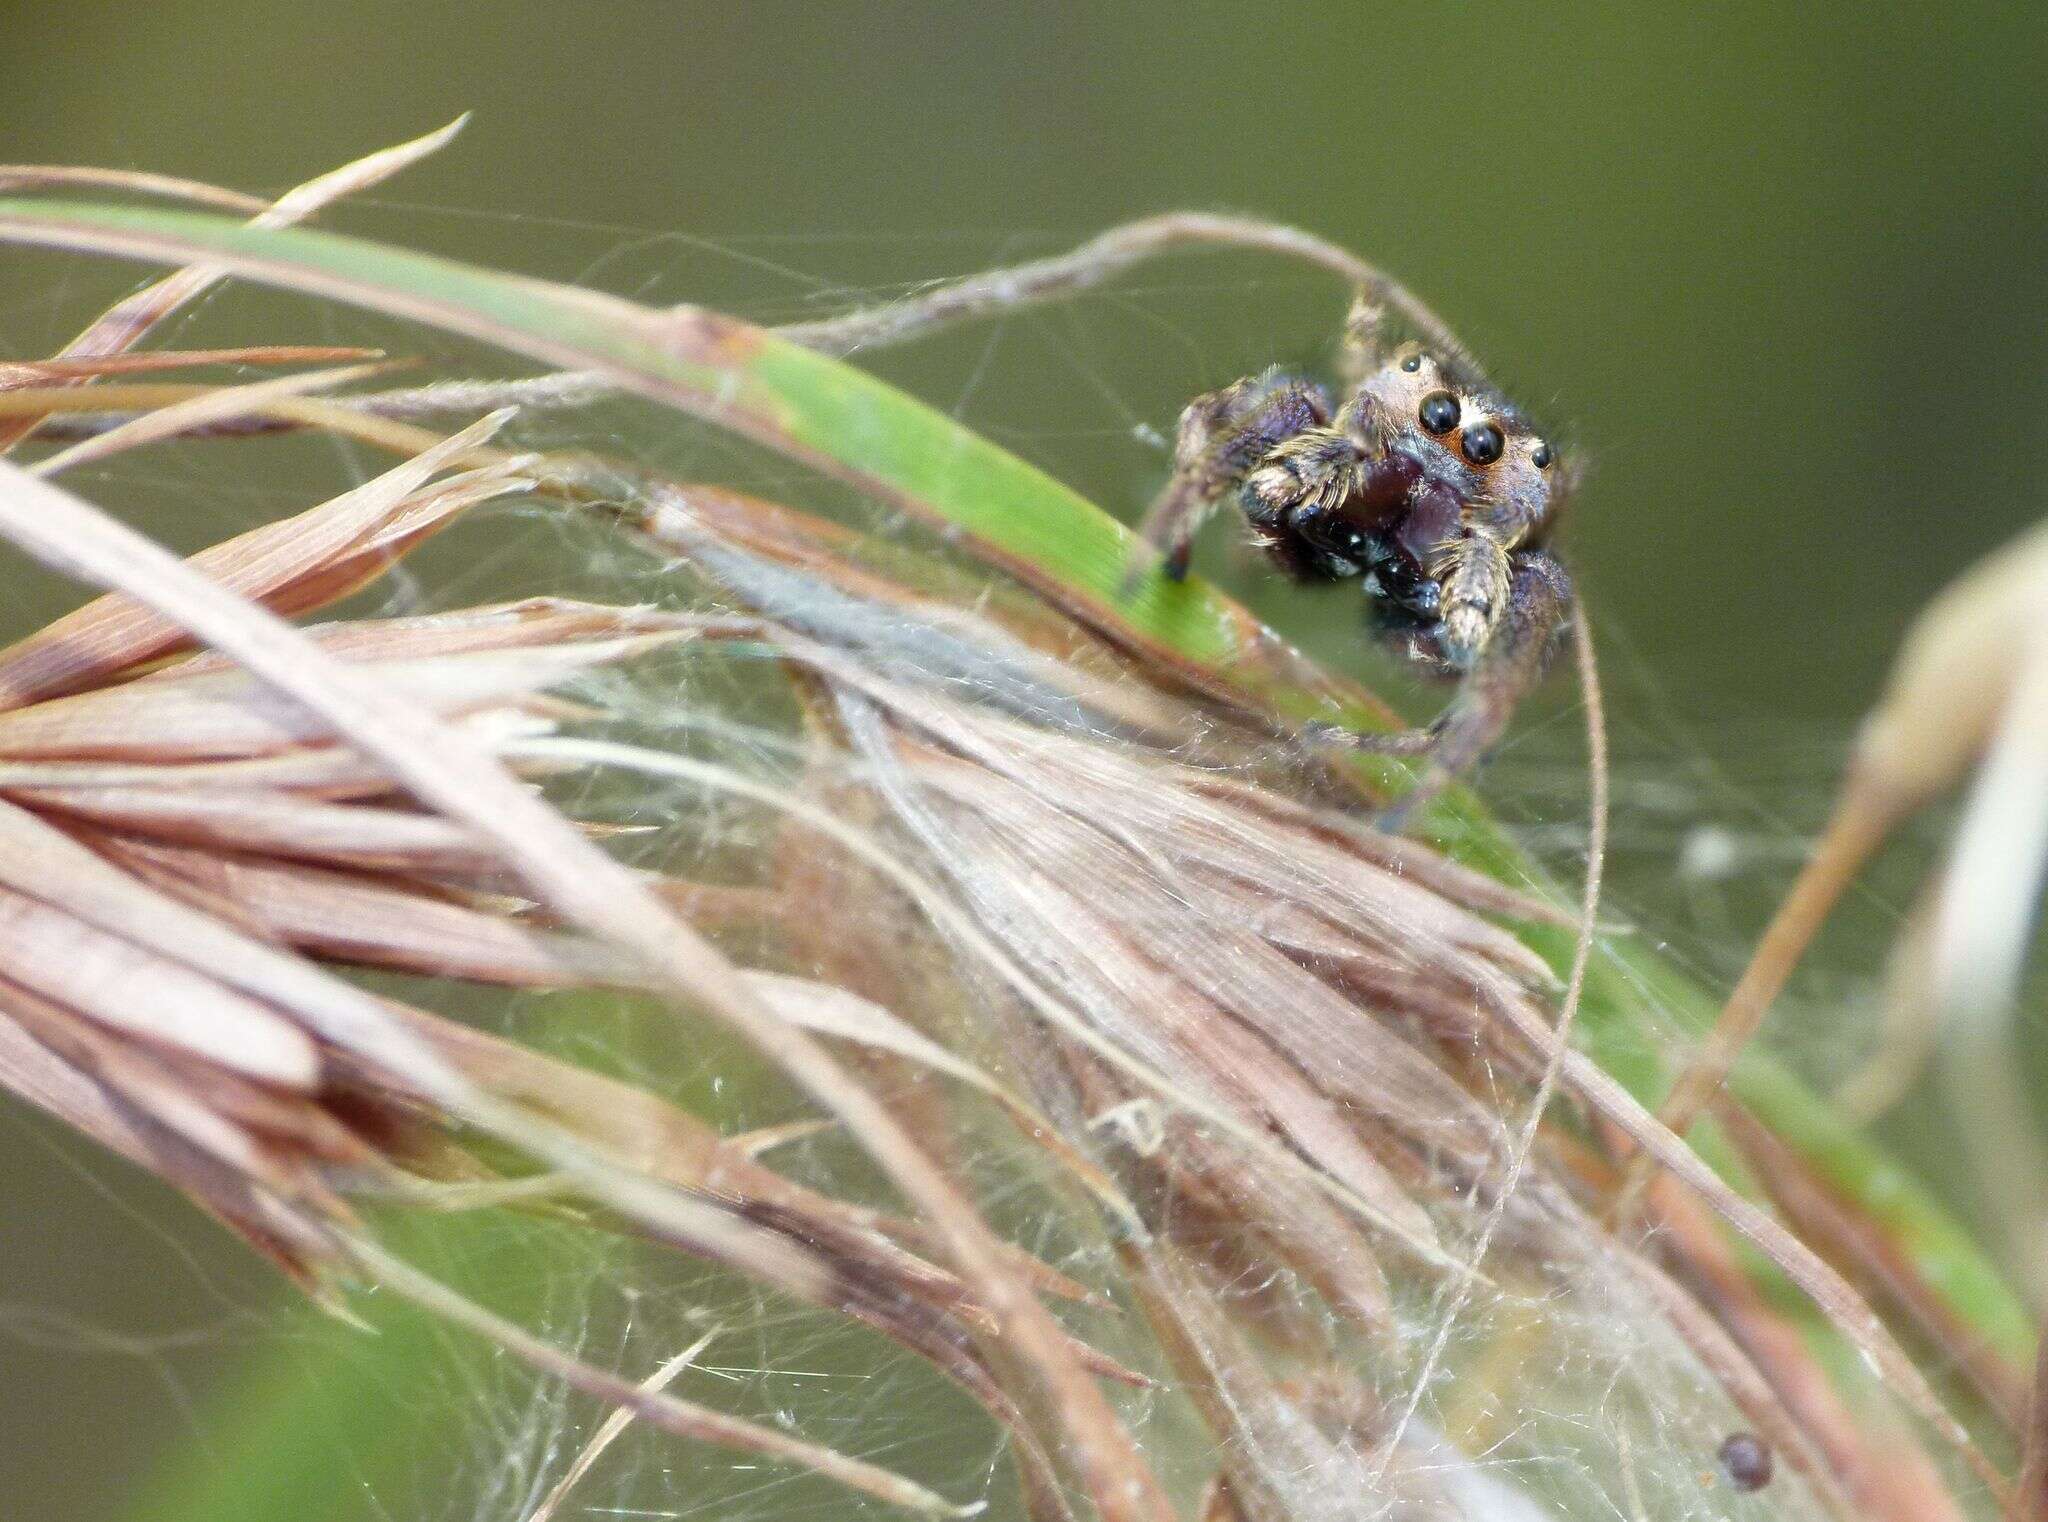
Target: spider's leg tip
{"x":1394,"y":819}
{"x":1400,"y":815}
{"x":1170,"y":564}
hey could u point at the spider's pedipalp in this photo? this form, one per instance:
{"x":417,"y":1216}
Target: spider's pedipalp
{"x":1313,"y":473}
{"x":1474,"y":573}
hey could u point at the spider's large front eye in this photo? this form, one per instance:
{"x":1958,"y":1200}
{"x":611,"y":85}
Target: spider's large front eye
{"x":1439,"y":412}
{"x":1482,"y":443}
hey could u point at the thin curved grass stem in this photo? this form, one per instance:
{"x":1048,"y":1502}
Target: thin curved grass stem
{"x":613,"y":1425}
{"x":1097,"y":260}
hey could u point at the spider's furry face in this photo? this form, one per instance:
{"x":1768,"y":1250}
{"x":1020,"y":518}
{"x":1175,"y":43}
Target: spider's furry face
{"x":1464,"y":433}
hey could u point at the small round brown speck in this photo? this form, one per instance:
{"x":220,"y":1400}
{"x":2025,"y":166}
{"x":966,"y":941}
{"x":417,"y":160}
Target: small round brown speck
{"x":1746,"y":1460}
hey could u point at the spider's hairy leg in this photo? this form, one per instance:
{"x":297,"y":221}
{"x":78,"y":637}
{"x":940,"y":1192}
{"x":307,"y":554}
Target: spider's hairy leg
{"x":1476,"y":574}
{"x":1364,"y":347}
{"x":1538,"y":601}
{"x":1222,"y":436}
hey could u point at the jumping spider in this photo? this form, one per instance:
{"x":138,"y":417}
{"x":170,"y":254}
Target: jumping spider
{"x":1427,"y":483}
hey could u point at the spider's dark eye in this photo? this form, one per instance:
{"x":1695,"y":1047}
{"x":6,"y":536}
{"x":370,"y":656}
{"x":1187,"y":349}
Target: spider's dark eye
{"x":1412,"y":363}
{"x":1542,"y":457}
{"x":1482,"y":443}
{"x":1439,"y":412}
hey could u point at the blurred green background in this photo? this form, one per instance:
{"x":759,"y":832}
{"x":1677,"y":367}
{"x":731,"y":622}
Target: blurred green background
{"x":1775,"y":271}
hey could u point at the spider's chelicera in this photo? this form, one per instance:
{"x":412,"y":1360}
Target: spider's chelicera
{"x":1426,"y":484}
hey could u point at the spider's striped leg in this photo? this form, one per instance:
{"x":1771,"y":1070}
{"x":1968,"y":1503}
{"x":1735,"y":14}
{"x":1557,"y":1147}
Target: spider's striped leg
{"x":1501,"y":673}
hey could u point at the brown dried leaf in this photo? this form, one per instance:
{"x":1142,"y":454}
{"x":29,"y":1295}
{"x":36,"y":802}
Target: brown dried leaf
{"x":530,"y":623}
{"x":36,"y":371}
{"x":1191,"y":1011}
{"x":212,"y":404}
{"x":124,"y":325}
{"x":127,"y":1071}
{"x":374,"y":523}
{"x":137,"y":181}
{"x":228,"y":714}
{"x":276,"y":824}
{"x":148,"y":996}
{"x":366,"y":919}
{"x":325,"y":771}
{"x":297,"y":1240}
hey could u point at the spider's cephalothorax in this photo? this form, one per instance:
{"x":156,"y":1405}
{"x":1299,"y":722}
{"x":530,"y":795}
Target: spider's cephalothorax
{"x":1426,"y":484}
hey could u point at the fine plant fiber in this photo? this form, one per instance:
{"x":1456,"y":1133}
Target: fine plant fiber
{"x":1193,"y":1147}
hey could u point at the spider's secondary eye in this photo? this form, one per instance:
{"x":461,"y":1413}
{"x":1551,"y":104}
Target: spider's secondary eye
{"x":1412,"y":363}
{"x":1542,"y":457}
{"x":1439,"y":412}
{"x":1482,"y":443}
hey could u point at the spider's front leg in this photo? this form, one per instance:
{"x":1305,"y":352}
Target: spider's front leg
{"x":1221,"y":437}
{"x":1508,"y":661}
{"x":1364,"y":346}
